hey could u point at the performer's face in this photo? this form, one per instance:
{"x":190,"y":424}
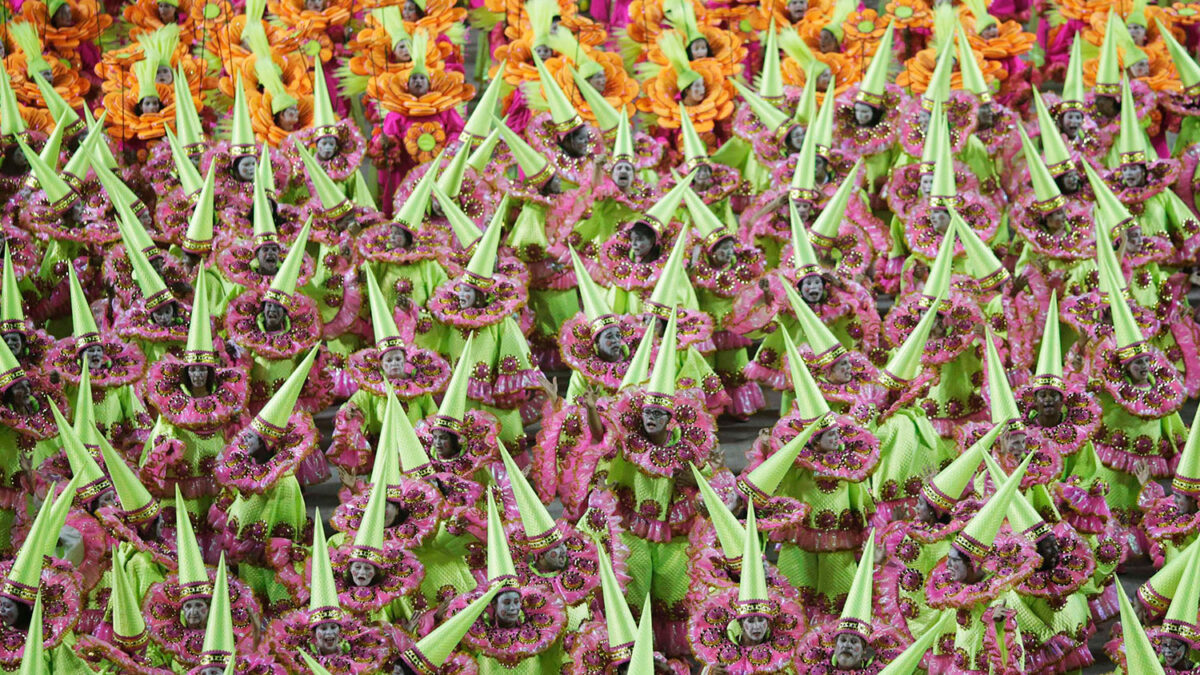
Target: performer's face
{"x":327,"y":147}
{"x":418,"y":84}
{"x":1049,"y":401}
{"x":804,"y":208}
{"x":940,"y":219}
{"x":796,"y":9}
{"x":328,"y":637}
{"x":926,"y":183}
{"x":1016,"y":443}
{"x":467,"y":295}
{"x":1138,"y":33}
{"x":445,"y":444}
{"x":411,"y":11}
{"x":392,"y":363}
{"x":722,"y":254}
{"x":754,"y":629}
{"x":608,"y":344}
{"x":812,"y":289}
{"x":641,"y":242}
{"x":795,"y":138}
{"x":827,"y":42}
{"x":553,"y":560}
{"x":543,"y":52}
{"x":1070,"y":180}
{"x":1139,"y":369}
{"x":150,"y":105}
{"x":314,"y":5}
{"x":20,"y":392}
{"x":167,"y":13}
{"x":1133,"y":175}
{"x":1183,"y":503}
{"x":925,"y":512}
{"x":923,"y":119}
{"x":1133,"y":239}
{"x":695,"y":92}
{"x":106,"y":498}
{"x":990,"y":32}
{"x":1056,"y":220}
{"x":194,"y":613}
{"x":197,"y":375}
{"x":830,"y":440}
{"x":164,"y":75}
{"x":622,"y":174}
{"x":1173,"y":651}
{"x":1072,"y":121}
{"x":243,"y":168}
{"x":863,"y":113}
{"x":64,"y":16}
{"x":398,"y":237}
{"x":848,"y":651}
{"x":288,"y":118}
{"x":402,"y":51}
{"x":598,"y":80}
{"x":1140,"y":69}
{"x":362,"y":573}
{"x":94,"y":355}
{"x":655,"y":420}
{"x":508,"y":609}
{"x":575,"y":142}
{"x":8,"y":611}
{"x":841,"y":371}
{"x":164,"y":315}
{"x":958,"y":565}
{"x":699,"y":49}
{"x":15,"y":342}
{"x":273,"y":315}
{"x":268,"y":258}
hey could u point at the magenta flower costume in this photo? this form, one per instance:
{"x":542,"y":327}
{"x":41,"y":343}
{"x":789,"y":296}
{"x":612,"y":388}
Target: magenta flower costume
{"x":635,"y":271}
{"x":234,"y":161}
{"x":337,"y":641}
{"x":341,"y":161}
{"x":422,"y":373}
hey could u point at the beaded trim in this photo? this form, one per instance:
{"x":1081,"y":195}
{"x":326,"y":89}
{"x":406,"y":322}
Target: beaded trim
{"x":971,"y":546}
{"x":659,"y":401}
{"x":1186,"y":484}
{"x":18,"y":590}
{"x":217,"y":658}
{"x":132,"y":642}
{"x":1055,"y":202}
{"x":141,"y":514}
{"x":265,"y":428}
{"x":371,"y":555}
{"x":937,"y":498}
{"x":753,"y":608}
{"x":324,"y":615}
{"x":1132,"y":351}
{"x":448,"y":423}
{"x":205,"y":357}
{"x":828,"y":356}
{"x":162,"y":297}
{"x":92,"y":489}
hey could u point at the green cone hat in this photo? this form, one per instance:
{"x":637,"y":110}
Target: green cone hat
{"x":660,"y":391}
{"x":871,"y":89}
{"x":905,"y":363}
{"x":537,"y":169}
{"x":695,"y":152}
{"x":607,"y":117}
{"x":188,"y":128}
{"x":1161,"y":587}
{"x":623,"y":146}
{"x":944,"y":191}
{"x":24,"y":577}
{"x":804,"y":180}
{"x":1054,"y":148}
{"x":663,"y":299}
{"x":387,"y":336}
{"x":806,"y":107}
{"x":675,"y":52}
{"x":973,"y":79}
{"x":271,"y":422}
{"x":1049,"y":372}
{"x":825,"y":346}
{"x":639,"y":365}
{"x":283,"y":285}
{"x":541,"y":532}
{"x":12,"y":314}
{"x":198,"y":238}
{"x":386,"y":470}
{"x":10,"y":369}
{"x":1131,"y":143}
{"x":762,"y":482}
{"x":58,"y":194}
{"x":730,"y":533}
{"x":324,"y":119}
{"x":563,"y":116}
{"x":658,"y":216}
{"x":804,"y":257}
{"x":102,"y":152}
{"x":189,"y":176}
{"x":199,"y":341}
{"x":193,"y":575}
{"x":368,"y":540}
{"x":938,"y":282}
{"x":90,"y":478}
{"x":432,"y":651}
{"x":1185,"y":65}
{"x":975,"y":540}
{"x":451,"y":177}
{"x":595,"y":307}
{"x":641,"y":660}
{"x":946,"y":488}
{"x":753,"y":598}
{"x":362,"y":193}
{"x":481,"y":268}
{"x":83,"y":324}
{"x":412,"y":212}
{"x":770,"y":84}
{"x":1047,"y":196}
{"x":810,"y":404}
{"x":1022,"y":517}
{"x":219,"y":641}
{"x":465,"y":229}
{"x":931,"y":148}
{"x":32,"y":660}
{"x":241,"y":138}
{"x":708,"y":226}
{"x":619,"y":620}
{"x":1187,"y":476}
{"x":57,"y":106}
{"x":138,"y":504}
{"x":264,"y":220}
{"x":987,"y":269}
{"x":500,"y":568}
{"x":856,"y":615}
{"x":129,"y":627}
{"x":825,"y":227}
{"x":453,"y":409}
{"x":263,"y":171}
{"x":479,"y":123}
{"x":323,"y":603}
{"x":1108,"y":71}
{"x":11,"y":122}
{"x":333,"y":200}
{"x":1003,"y":403}
{"x":1140,"y":657}
{"x":938,"y":89}
{"x":51,"y":150}
{"x":823,"y":127}
{"x":909,"y":661}
{"x":1072,"y":93}
{"x":414,"y":461}
{"x":771,"y":117}
{"x":154,"y":292}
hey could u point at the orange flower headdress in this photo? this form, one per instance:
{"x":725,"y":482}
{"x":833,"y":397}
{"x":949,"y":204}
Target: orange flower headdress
{"x":664,"y":88}
{"x":200,"y":18}
{"x":87,"y":22}
{"x":65,"y":80}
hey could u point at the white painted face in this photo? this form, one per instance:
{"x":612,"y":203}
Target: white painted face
{"x":362,"y":573}
{"x":194,"y":613}
{"x":392,"y":363}
{"x":754,"y":629}
{"x":508,"y":608}
{"x":863,"y":113}
{"x":244,"y":167}
{"x":418,"y":84}
{"x":327,"y":147}
{"x":848,"y":651}
{"x":623,"y":174}
{"x":9,"y":613}
{"x":328,"y":637}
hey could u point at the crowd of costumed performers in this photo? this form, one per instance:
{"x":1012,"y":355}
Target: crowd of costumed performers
{"x":646,"y":337}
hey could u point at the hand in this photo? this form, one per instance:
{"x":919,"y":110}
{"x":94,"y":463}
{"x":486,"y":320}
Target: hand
{"x":1141,"y":471}
{"x":549,"y":386}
